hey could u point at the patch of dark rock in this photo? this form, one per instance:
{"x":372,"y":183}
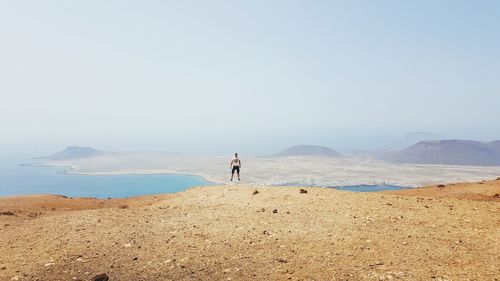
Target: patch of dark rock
{"x":7,"y":213}
{"x":303,"y":190}
{"x":441,"y":185}
{"x":255,"y":192}
{"x":135,"y":258}
{"x":275,"y":211}
{"x":100,"y":277}
{"x":281,"y":260}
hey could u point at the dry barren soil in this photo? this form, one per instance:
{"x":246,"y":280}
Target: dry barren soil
{"x":238,"y":232}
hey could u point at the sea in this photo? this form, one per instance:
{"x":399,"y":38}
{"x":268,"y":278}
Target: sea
{"x":25,"y":180}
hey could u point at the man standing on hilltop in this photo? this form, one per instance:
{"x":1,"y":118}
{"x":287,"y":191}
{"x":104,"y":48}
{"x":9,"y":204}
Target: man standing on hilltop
{"x":235,"y":166}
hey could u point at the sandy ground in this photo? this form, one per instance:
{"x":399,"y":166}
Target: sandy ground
{"x":290,"y":171}
{"x":480,"y":191}
{"x":235,"y":233}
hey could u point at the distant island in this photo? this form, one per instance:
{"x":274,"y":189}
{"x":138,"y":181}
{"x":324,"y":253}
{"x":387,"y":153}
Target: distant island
{"x":451,"y":152}
{"x":75,"y":152}
{"x":309,"y":150}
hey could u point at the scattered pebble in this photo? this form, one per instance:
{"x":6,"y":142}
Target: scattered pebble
{"x":255,"y":192}
{"x":275,"y":211}
{"x":303,"y":191}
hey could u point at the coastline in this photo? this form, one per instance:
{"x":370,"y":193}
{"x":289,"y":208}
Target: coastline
{"x":269,"y":171}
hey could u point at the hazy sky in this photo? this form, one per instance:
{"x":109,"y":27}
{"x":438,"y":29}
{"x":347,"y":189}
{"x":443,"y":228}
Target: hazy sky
{"x":252,"y":76}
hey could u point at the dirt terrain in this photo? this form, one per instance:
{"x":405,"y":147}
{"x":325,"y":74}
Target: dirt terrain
{"x":238,"y":232}
{"x":480,"y":191}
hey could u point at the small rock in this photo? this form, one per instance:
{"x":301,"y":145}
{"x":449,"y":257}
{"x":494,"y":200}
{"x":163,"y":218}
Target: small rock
{"x":303,"y":191}
{"x":262,"y":210}
{"x":48,"y":264}
{"x":135,"y":258}
{"x":127,"y":245}
{"x":7,"y":213}
{"x":442,"y":185}
{"x":281,"y":260}
{"x":275,"y":211}
{"x":255,"y":192}
{"x":100,"y":277}
{"x":405,"y":243}
{"x":15,"y":278}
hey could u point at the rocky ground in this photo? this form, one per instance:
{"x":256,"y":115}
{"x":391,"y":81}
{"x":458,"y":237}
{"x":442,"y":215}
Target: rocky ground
{"x":238,"y":232}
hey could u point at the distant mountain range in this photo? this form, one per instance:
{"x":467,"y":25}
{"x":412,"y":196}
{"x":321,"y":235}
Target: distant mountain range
{"x":75,"y":152}
{"x":309,"y":150}
{"x":451,"y":152}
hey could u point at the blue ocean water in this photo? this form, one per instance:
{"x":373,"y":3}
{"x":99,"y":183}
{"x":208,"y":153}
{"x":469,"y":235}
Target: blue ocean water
{"x":370,"y":188}
{"x":22,"y":180}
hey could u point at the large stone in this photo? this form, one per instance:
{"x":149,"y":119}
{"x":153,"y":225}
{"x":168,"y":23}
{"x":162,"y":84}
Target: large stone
{"x":100,"y":277}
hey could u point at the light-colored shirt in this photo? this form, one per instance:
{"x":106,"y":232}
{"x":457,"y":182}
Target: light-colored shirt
{"x":235,"y":162}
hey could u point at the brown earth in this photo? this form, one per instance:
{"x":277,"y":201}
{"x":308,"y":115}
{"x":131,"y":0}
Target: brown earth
{"x":479,"y":191}
{"x":235,"y":233}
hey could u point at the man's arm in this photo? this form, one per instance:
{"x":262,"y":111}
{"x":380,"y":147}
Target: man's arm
{"x":231,"y":164}
{"x":239,"y":162}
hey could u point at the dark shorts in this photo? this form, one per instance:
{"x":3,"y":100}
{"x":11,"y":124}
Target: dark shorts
{"x":236,"y":168}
